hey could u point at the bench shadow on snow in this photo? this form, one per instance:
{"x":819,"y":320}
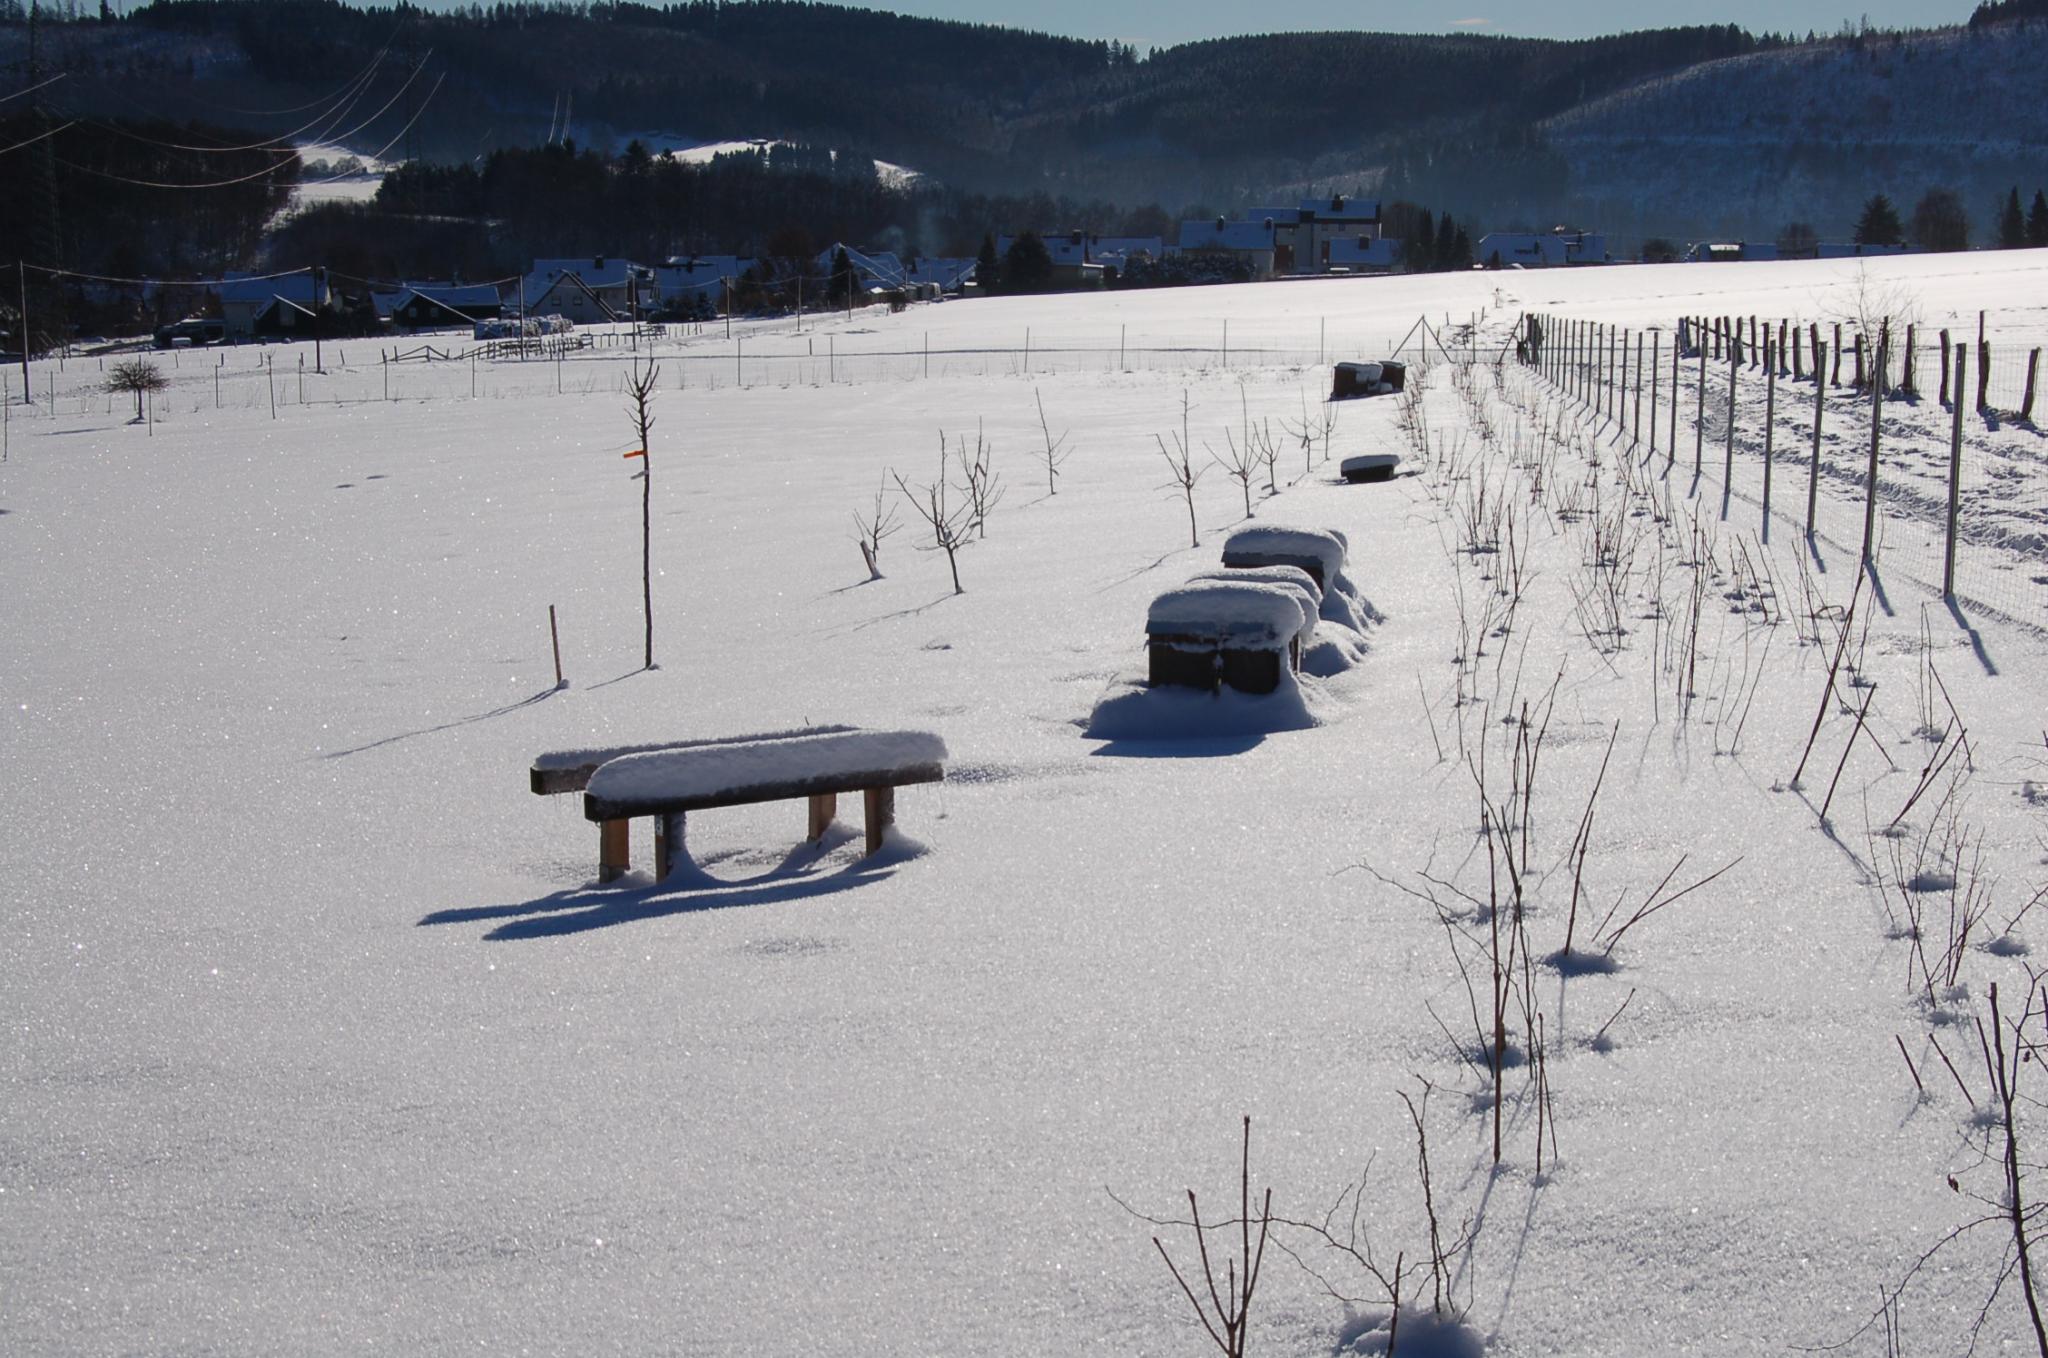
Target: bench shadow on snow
{"x":803,"y":873}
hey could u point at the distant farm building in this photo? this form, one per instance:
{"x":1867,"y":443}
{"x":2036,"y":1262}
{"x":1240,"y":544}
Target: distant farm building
{"x":434,"y":306}
{"x":274,"y":306}
{"x":1558,"y":248}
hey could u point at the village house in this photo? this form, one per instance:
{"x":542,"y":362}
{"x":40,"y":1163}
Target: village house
{"x":1556,"y":248}
{"x":1361,"y":254}
{"x":274,"y":306}
{"x":436,"y":306}
{"x":686,"y":280}
{"x":1319,"y":224}
{"x":587,"y":291}
{"x":1253,"y":242}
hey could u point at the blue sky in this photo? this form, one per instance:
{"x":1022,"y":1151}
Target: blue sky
{"x":1151,"y":23}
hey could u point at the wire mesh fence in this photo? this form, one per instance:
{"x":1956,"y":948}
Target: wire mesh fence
{"x":1919,"y":452}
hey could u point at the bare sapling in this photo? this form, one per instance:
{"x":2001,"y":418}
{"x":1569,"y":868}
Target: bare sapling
{"x":640,"y":389}
{"x":1239,"y":466}
{"x":1185,"y":474}
{"x":1227,"y":1312}
{"x":874,"y":526}
{"x":1056,"y":449}
{"x":947,"y":520}
{"x":984,"y":488}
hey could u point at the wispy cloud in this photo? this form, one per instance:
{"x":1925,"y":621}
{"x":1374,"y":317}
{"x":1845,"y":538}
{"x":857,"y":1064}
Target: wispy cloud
{"x":1471,"y":23}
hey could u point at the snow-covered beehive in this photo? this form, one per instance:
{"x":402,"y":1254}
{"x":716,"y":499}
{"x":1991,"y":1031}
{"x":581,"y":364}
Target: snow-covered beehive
{"x":1244,"y":634}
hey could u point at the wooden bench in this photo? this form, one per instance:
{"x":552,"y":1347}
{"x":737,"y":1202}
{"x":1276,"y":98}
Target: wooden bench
{"x":668,"y":784}
{"x":560,"y":771}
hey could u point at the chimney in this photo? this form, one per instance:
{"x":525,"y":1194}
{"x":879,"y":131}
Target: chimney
{"x":1220,"y":224}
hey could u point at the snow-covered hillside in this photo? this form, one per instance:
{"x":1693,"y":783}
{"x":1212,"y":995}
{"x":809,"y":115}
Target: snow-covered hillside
{"x":323,"y":1038}
{"x":1745,"y":145}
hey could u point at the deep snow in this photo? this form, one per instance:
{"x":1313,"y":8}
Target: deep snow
{"x":322,"y":1038}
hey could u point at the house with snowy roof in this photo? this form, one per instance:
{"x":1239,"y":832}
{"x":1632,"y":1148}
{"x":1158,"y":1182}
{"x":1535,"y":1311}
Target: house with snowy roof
{"x":1319,"y":223}
{"x":684,"y":279}
{"x":1252,"y":242}
{"x":251,"y":305}
{"x":424,"y":306}
{"x":1558,"y":248}
{"x":587,"y":291}
{"x":1361,"y":254}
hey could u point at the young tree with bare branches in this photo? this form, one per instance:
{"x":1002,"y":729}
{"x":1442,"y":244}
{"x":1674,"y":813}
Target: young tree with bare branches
{"x":640,"y":388}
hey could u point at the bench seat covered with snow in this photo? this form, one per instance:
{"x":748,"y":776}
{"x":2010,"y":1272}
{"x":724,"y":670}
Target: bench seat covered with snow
{"x":1241,"y":633}
{"x":668,"y":783}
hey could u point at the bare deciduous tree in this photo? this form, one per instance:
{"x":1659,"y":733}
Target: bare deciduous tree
{"x":947,"y":521}
{"x":874,"y":526}
{"x":640,"y":388}
{"x":984,"y":488}
{"x":1185,"y":475}
{"x":138,"y":376}
{"x":1056,"y":450}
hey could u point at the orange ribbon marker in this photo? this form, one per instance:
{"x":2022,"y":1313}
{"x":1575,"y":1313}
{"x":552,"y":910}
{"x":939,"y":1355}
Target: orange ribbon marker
{"x":637,"y":452}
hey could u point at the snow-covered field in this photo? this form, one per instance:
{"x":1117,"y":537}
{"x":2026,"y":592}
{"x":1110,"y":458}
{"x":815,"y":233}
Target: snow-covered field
{"x":323,"y":1037}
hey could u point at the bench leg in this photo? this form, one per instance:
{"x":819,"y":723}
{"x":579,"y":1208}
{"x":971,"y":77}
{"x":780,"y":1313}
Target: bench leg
{"x":670,"y":848}
{"x":614,"y":850}
{"x":824,"y":806}
{"x":878,"y":810}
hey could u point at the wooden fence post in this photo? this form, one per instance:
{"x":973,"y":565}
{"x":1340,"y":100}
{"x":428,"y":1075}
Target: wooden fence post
{"x":1637,"y":436}
{"x":1983,"y":367}
{"x":1699,"y":420}
{"x":1870,"y":480}
{"x":1944,"y":367}
{"x":1671,"y":443}
{"x":1906,"y":377}
{"x":2027,"y":403}
{"x":1820,"y":396}
{"x":1770,"y":422}
{"x":1955,"y":472}
{"x":1656,"y":358}
{"x":1835,"y":377}
{"x":1857,"y":384}
{"x":1728,"y":468}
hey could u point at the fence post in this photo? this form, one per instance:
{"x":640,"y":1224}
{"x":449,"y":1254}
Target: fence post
{"x":1835,"y":377}
{"x":1656,"y":358}
{"x":1699,"y":419}
{"x":1983,"y":373}
{"x":1636,"y":423}
{"x":1870,"y":481}
{"x":1671,"y":443}
{"x":1770,"y":422}
{"x":1728,"y":470}
{"x":1621,"y":392}
{"x":1907,"y":383}
{"x":1955,"y":472}
{"x":1820,"y":398}
{"x":1798,"y":367}
{"x":2027,"y":403}
{"x":1944,"y":367}
{"x":1858,"y":383}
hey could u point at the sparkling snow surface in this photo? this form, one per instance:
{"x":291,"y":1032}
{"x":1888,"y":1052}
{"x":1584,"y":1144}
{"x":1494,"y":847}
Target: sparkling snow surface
{"x":320,"y":1037}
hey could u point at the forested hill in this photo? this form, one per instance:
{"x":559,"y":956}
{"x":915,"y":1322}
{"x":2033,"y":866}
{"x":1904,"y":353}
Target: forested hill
{"x":978,"y":106}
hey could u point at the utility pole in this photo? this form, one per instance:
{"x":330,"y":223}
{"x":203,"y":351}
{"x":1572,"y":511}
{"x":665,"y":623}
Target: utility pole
{"x":45,"y":233}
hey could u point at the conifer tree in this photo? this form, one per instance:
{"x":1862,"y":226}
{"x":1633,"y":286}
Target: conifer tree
{"x":1879,"y":224}
{"x":2037,"y":220}
{"x":2012,"y":224}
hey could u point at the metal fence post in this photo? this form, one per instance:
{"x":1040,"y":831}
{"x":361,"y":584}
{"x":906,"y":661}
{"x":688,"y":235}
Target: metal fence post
{"x":1955,"y":473}
{"x":1870,"y":481}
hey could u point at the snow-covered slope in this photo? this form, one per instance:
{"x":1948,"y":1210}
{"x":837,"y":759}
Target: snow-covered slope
{"x":321,"y":1037}
{"x":1744,"y":145}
